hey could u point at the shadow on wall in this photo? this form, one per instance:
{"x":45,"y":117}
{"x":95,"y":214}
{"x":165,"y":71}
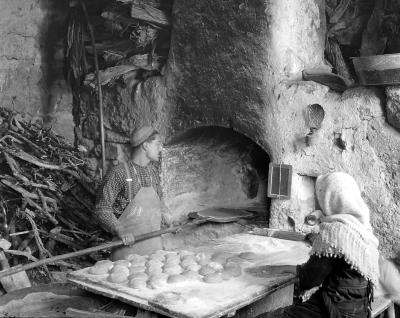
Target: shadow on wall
{"x":51,"y":42}
{"x":214,"y":167}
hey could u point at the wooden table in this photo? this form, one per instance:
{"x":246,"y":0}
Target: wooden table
{"x":248,"y":295}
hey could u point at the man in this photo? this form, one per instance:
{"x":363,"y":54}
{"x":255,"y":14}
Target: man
{"x":128,"y":203}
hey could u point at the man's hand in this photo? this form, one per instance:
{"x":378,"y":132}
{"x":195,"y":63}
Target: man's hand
{"x":126,"y":236}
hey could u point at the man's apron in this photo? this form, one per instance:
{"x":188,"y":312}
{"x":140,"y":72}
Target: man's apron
{"x":141,"y":216}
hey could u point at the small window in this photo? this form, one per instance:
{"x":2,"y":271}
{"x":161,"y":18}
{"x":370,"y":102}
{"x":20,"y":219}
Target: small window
{"x":279,"y":181}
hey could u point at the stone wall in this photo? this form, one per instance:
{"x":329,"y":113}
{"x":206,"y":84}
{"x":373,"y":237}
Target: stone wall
{"x":32,"y":34}
{"x":237,"y":64}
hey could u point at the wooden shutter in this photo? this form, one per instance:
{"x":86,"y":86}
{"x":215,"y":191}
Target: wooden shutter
{"x":279,"y":181}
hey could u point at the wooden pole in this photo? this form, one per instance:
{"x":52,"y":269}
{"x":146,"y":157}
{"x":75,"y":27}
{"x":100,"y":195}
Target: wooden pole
{"x":20,"y":268}
{"x":99,"y":90}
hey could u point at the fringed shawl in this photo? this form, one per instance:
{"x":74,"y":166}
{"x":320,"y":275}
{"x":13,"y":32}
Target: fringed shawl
{"x":345,"y":230}
{"x":356,"y":246}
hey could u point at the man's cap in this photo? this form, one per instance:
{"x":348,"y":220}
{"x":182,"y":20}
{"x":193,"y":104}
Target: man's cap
{"x":140,"y":135}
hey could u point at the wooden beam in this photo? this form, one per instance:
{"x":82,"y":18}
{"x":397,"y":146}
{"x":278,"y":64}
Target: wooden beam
{"x":147,"y":13}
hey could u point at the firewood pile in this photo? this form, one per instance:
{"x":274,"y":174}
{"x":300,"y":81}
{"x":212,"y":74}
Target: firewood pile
{"x":47,"y":192}
{"x":132,"y":39}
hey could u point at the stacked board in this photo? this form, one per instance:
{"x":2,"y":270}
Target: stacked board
{"x":207,"y":281}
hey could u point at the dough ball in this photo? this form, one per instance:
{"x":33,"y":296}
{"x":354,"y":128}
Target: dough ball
{"x":118,"y":277}
{"x":137,"y":269}
{"x":185,"y":263}
{"x":189,"y":257}
{"x":193,"y":267}
{"x":173,"y":270}
{"x":233,"y":269}
{"x":141,"y":262}
{"x":123,"y":262}
{"x":156,"y":258}
{"x":203,"y":259}
{"x":213,"y":278}
{"x":172,"y":260}
{"x":221,"y":257}
{"x":202,"y":256}
{"x":121,"y":269}
{"x":176,"y":279}
{"x":154,"y":263}
{"x":171,"y":255}
{"x":249,"y":256}
{"x":101,"y":267}
{"x":191,"y":275}
{"x":157,"y":281}
{"x":216,"y":266}
{"x":206,"y":270}
{"x":137,"y":283}
{"x":226,"y":275}
{"x":138,"y":276}
{"x":161,"y":276}
{"x":98,"y":270}
{"x":184,"y":253}
{"x":154,"y":270}
{"x":104,"y":262}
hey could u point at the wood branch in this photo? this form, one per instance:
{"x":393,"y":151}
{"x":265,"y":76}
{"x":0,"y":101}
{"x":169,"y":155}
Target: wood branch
{"x":51,"y":243}
{"x":25,"y":193}
{"x":42,"y":251}
{"x":31,"y":159}
{"x":125,"y":47}
{"x":24,"y":244}
{"x":14,"y":168}
{"x":109,"y":75}
{"x":65,"y":240}
{"x":82,"y":201}
{"x":35,"y":147}
{"x":144,"y":61}
{"x":42,"y":164}
{"x":21,"y":253}
{"x":20,"y":233}
{"x":46,"y":209}
{"x":144,"y":12}
{"x":339,"y":11}
{"x":69,"y":265}
{"x":81,"y":177}
{"x":115,"y":17}
{"x":44,"y":204}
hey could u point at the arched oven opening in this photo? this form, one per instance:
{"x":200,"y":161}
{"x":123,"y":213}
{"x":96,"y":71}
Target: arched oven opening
{"x":211,"y":167}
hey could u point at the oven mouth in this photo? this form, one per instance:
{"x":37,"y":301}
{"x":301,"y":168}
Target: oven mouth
{"x":215,"y":167}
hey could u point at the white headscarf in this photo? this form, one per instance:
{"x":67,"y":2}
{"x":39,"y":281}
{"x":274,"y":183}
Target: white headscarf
{"x":345,"y":229}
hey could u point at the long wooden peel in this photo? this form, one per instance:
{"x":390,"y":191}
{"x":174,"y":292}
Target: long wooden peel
{"x":20,"y":268}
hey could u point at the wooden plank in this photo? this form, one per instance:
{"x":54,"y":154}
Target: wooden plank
{"x":150,"y":14}
{"x":209,"y":300}
{"x":113,"y":294}
{"x":280,"y":298}
{"x":77,"y":313}
{"x":284,"y":289}
{"x":109,"y":75}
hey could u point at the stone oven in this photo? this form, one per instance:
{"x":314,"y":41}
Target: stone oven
{"x":231,"y":99}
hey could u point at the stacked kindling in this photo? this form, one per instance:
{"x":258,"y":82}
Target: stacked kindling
{"x":47,"y":192}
